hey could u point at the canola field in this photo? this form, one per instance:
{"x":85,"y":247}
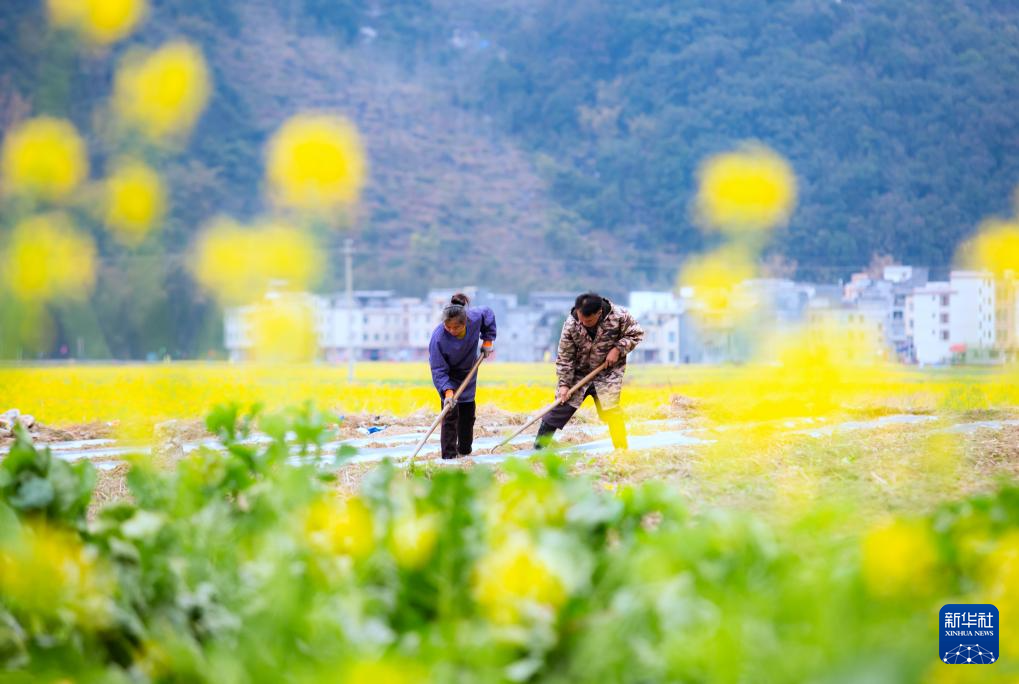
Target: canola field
{"x":139,"y":396}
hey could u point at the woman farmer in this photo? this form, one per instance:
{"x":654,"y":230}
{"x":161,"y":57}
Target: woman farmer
{"x":452,"y":352}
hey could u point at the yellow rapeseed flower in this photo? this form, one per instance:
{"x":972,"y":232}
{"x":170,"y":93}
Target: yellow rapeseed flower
{"x":809,"y":371}
{"x":995,"y":248}
{"x":815,"y":367}
{"x":750,"y":189}
{"x":163,"y":93}
{"x":413,"y":539}
{"x":70,"y":394}
{"x":101,"y":21}
{"x":316,"y":162}
{"x":48,"y":259}
{"x":899,"y":558}
{"x":513,"y":579}
{"x":135,"y":201}
{"x":527,"y":503}
{"x":107,"y":21}
{"x":714,"y":277}
{"x":283,"y":329}
{"x":66,"y":13}
{"x":340,"y":527}
{"x":241,"y":264}
{"x":1000,"y":586}
{"x":47,"y":573}
{"x":44,"y":156}
{"x":387,"y":671}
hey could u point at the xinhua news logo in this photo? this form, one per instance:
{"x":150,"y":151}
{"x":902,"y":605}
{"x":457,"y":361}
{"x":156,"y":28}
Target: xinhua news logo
{"x":969,"y":634}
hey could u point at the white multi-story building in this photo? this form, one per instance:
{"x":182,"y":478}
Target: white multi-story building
{"x":345,"y":328}
{"x":884,"y":296}
{"x":928,"y":322}
{"x":517,"y":340}
{"x":661,"y":343}
{"x":971,"y":312}
{"x":1006,"y":314}
{"x":659,"y":313}
{"x":419,"y":322}
{"x":971,"y":318}
{"x":899,"y":273}
{"x":645,"y":301}
{"x":862,"y":330}
{"x":380,"y":326}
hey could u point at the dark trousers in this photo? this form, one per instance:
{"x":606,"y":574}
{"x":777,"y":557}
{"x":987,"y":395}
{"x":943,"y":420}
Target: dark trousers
{"x":560,"y":415}
{"x":557,"y":418}
{"x":457,"y":433}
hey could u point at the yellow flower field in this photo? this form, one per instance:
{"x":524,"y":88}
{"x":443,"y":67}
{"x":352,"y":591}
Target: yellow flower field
{"x":139,"y":396}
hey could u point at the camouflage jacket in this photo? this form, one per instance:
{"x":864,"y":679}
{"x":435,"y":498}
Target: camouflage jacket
{"x":578,"y":354}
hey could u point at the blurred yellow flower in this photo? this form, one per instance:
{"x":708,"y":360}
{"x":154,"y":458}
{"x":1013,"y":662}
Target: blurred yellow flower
{"x":808,"y":371}
{"x":47,"y":573}
{"x":413,"y":539}
{"x":240,"y":264}
{"x":163,"y":93}
{"x":815,"y":367}
{"x":526,"y":503}
{"x":995,"y":248}
{"x":47,"y":259}
{"x":65,"y":13}
{"x":283,"y":329}
{"x":386,"y":672}
{"x":750,"y":189}
{"x":1000,"y":586}
{"x":512,"y":580}
{"x":714,"y":277}
{"x":135,"y":201}
{"x":45,"y":157}
{"x":100,"y":21}
{"x":340,"y":527}
{"x":899,"y":559}
{"x":316,"y":162}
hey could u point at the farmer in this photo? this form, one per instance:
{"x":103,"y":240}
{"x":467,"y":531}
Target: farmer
{"x":595,"y":331}
{"x":452,"y":353}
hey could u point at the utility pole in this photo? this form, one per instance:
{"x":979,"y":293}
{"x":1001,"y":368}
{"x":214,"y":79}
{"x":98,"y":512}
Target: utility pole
{"x":348,"y":254}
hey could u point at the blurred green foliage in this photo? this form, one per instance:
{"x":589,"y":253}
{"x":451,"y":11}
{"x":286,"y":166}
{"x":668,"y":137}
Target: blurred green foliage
{"x":215,"y":577}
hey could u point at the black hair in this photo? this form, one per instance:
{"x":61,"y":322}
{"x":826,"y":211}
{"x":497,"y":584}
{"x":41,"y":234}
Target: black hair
{"x":589,"y":303}
{"x":456,"y":310}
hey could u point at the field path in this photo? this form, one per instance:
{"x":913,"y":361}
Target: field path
{"x":582,"y":439}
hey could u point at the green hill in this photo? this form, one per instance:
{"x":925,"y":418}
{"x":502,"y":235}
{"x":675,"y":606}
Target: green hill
{"x":543,"y":144}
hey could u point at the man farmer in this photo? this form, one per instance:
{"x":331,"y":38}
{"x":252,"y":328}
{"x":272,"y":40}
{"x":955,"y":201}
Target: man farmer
{"x":595,"y":331}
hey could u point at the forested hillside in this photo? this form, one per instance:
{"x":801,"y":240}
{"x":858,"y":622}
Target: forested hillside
{"x":543,"y":144}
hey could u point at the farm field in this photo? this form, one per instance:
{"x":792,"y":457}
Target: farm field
{"x":870,"y":436}
{"x":867,"y":511}
{"x":138,"y":396}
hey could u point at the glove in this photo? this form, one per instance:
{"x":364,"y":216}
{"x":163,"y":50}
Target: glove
{"x":487,"y":349}
{"x":448,"y":400}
